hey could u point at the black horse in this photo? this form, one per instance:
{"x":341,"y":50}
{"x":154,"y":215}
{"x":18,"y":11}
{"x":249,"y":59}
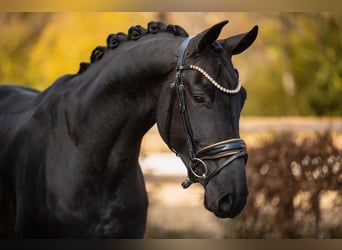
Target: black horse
{"x":69,"y":155}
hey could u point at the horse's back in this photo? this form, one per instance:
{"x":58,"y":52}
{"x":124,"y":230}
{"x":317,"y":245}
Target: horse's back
{"x":13,"y":98}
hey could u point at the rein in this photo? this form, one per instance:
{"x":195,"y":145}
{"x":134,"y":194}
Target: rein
{"x":231,"y":148}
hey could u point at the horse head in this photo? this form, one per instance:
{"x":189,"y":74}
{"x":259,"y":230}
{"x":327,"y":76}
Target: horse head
{"x":200,"y":120}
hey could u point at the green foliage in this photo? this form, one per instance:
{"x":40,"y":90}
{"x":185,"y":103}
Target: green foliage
{"x":316,"y":65}
{"x":300,"y":68}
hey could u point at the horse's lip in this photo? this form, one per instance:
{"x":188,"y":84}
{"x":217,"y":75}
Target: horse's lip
{"x":221,"y":214}
{"x":235,"y":210}
{"x":224,"y":215}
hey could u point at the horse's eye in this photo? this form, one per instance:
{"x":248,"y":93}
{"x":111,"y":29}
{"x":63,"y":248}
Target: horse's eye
{"x":198,"y":99}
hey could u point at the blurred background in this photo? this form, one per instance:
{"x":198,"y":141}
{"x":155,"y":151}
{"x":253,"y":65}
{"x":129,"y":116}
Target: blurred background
{"x":292,"y":120}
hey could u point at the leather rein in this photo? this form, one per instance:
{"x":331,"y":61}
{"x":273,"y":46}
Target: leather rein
{"x":230,"y":149}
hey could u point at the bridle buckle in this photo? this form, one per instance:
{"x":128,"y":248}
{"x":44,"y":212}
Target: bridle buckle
{"x":198,"y":168}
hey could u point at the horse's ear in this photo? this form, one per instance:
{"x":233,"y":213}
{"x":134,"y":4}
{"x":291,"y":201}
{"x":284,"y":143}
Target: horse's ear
{"x":241,"y":42}
{"x":205,"y":38}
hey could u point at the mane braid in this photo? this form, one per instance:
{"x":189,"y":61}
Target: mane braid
{"x":134,"y":33}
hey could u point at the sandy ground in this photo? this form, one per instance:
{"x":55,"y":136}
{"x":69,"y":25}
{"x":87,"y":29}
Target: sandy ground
{"x":176,"y":212}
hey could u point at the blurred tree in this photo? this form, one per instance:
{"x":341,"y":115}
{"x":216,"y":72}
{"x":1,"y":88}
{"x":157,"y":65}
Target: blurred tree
{"x":315,"y":60}
{"x":37,"y":48}
{"x":299,"y":68}
{"x":292,"y":69}
{"x":19,"y":32}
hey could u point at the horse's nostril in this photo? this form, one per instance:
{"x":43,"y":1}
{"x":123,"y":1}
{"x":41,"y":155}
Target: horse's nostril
{"x":226,"y":203}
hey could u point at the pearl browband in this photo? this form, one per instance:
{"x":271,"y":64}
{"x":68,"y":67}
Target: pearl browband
{"x":211,"y":80}
{"x":216,"y":84}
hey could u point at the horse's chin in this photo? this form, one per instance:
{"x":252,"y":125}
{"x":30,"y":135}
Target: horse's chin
{"x":228,"y":204}
{"x":225,"y":214}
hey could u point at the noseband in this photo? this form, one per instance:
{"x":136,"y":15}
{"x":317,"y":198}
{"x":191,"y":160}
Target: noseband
{"x":230,"y":149}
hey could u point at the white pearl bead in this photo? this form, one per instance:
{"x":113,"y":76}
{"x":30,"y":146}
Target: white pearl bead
{"x":216,"y":84}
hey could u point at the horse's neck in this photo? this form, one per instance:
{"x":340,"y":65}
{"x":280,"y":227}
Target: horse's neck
{"x":116,"y":110}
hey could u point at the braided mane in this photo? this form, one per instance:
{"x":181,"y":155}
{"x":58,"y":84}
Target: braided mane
{"x":134,"y":33}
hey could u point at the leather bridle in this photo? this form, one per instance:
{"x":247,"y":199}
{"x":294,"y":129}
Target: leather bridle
{"x":230,"y":149}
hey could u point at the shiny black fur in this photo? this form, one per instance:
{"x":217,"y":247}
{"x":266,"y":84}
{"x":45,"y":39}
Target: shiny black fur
{"x":69,"y":154}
